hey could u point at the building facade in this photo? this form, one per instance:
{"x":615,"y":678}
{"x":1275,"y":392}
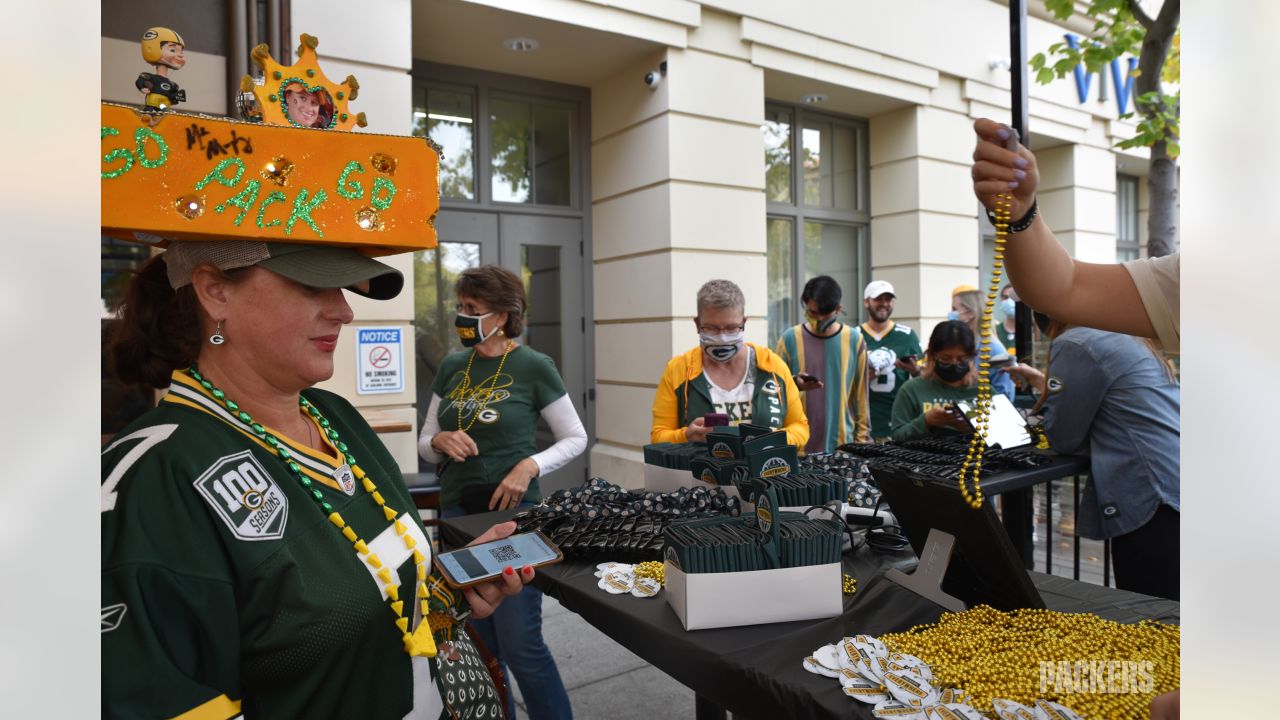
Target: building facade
{"x":618,"y":154}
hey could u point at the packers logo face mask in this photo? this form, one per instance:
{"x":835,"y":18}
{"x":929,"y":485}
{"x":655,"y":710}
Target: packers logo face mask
{"x":721,"y":348}
{"x":468,"y":327}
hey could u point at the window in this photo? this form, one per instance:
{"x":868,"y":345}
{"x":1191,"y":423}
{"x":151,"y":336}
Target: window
{"x":1126,"y":218}
{"x":448,"y":118}
{"x":522,"y":153}
{"x":816,"y":181}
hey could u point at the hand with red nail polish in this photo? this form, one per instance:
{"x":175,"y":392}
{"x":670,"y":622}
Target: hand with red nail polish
{"x":485,"y":597}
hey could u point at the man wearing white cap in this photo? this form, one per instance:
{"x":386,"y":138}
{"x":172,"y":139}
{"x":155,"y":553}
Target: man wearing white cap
{"x":892,"y":352}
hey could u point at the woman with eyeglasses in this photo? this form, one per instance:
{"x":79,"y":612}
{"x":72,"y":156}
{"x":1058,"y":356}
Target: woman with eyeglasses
{"x":725,"y":375}
{"x":479,"y":429}
{"x":926,"y":405}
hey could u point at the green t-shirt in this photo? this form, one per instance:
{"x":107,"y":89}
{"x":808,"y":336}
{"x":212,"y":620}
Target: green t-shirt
{"x":899,"y":341}
{"x":917,"y":397}
{"x":1006,"y":338}
{"x":499,"y":413}
{"x":226,"y":588}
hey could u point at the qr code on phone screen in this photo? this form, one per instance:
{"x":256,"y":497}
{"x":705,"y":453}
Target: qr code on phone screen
{"x":504,"y":553}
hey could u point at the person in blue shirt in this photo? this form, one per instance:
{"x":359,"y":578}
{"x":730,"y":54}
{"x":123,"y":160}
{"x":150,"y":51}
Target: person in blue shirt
{"x":966,"y":306}
{"x":1115,"y":398}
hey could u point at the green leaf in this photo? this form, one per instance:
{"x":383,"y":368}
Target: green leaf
{"x":1061,"y":9}
{"x":1044,"y":76}
{"x":1037,"y":61}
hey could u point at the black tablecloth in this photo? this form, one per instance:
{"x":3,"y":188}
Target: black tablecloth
{"x":756,"y":671}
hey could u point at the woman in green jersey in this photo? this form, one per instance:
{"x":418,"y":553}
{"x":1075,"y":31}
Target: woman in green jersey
{"x":479,"y":428}
{"x":926,"y":404}
{"x":261,"y":556}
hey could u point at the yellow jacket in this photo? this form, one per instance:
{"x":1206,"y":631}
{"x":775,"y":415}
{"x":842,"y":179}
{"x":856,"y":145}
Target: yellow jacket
{"x":684,"y":395}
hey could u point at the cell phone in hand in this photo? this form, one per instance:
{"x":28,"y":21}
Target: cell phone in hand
{"x":1006,"y":360}
{"x":806,"y":377}
{"x":715,"y":420}
{"x":475,"y":564}
{"x":958,"y":414}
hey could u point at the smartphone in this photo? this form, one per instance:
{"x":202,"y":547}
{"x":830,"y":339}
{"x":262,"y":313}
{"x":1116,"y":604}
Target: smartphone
{"x":475,"y":564}
{"x":715,"y":420}
{"x":910,"y":359}
{"x":958,"y":413}
{"x":806,"y":377}
{"x":1006,"y":360}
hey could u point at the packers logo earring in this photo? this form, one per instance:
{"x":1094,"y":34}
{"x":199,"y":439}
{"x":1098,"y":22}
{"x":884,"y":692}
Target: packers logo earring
{"x":217,"y":338}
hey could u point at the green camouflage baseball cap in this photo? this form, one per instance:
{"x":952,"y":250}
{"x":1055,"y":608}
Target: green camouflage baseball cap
{"x":321,"y":266}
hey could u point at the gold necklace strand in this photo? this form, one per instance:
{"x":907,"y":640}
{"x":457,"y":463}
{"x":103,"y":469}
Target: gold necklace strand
{"x":1096,"y":667}
{"x":464,"y":388}
{"x":978,"y":443}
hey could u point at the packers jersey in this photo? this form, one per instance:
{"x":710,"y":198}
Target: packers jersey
{"x":898,"y":341}
{"x":225,"y":589}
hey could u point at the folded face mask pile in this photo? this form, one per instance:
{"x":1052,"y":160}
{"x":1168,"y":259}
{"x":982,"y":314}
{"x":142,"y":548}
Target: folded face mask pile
{"x":941,"y":458}
{"x":601,"y":520}
{"x":741,"y":544}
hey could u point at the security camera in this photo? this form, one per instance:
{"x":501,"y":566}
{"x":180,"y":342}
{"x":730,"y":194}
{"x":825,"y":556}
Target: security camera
{"x":653,"y":78}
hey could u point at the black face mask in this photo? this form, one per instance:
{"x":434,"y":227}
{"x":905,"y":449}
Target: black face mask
{"x":951,"y":373}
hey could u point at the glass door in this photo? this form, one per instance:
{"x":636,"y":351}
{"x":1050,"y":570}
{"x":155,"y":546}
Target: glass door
{"x":546,"y":253}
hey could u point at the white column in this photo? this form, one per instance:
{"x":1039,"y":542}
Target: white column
{"x":1077,"y":195}
{"x":677,"y":199}
{"x":924,"y":226}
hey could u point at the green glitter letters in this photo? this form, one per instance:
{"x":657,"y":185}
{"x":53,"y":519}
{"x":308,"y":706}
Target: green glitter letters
{"x":302,"y":210}
{"x":140,"y":136}
{"x":117,"y":154}
{"x":384,"y":191}
{"x":243,"y":200}
{"x":275,"y":197}
{"x":216,"y":173}
{"x":351,"y":189}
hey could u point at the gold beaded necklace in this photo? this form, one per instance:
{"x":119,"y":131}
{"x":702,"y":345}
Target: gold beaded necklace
{"x":464,"y":391}
{"x":994,"y":654}
{"x":978,"y":443}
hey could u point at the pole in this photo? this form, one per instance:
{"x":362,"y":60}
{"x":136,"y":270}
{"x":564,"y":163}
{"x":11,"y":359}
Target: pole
{"x":1016,"y":507}
{"x":1018,"y":77}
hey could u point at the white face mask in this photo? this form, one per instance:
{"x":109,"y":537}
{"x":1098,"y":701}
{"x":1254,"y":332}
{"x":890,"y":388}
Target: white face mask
{"x":721,"y":348}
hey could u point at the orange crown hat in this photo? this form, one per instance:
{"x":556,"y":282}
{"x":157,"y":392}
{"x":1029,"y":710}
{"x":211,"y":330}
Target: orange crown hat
{"x":181,"y":176}
{"x":277,"y":79}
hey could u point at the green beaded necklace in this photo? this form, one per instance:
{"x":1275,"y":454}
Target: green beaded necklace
{"x":419,"y":642}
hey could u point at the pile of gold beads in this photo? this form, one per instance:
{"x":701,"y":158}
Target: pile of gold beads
{"x":850,"y":584}
{"x":1028,"y":654}
{"x":652,"y":569}
{"x":978,"y":443}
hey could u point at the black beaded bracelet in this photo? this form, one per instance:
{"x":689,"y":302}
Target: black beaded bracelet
{"x":1023,"y":223}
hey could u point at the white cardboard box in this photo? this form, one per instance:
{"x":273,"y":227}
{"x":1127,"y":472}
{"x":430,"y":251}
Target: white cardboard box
{"x":714,"y":600}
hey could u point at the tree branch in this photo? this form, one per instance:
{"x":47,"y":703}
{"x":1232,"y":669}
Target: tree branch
{"x":1155,"y":46}
{"x":1140,"y":15}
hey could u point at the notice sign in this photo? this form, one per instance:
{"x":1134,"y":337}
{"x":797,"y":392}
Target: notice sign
{"x":379,"y":360}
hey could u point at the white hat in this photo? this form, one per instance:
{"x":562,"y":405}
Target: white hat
{"x":876,"y":288}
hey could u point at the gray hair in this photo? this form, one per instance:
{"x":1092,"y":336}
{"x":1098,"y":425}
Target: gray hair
{"x":720,"y":294}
